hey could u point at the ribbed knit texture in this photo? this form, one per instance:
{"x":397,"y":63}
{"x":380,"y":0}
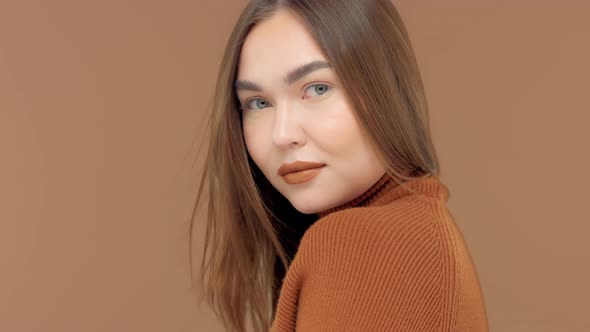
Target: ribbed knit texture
{"x":389,"y":260}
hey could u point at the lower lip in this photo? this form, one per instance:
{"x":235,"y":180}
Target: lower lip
{"x":301,"y":176}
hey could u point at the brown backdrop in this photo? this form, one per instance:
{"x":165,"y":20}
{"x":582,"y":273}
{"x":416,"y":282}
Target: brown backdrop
{"x":100,"y":102}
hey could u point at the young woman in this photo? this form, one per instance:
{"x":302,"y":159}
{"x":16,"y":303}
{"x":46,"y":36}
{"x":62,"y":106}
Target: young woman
{"x":325,"y":207}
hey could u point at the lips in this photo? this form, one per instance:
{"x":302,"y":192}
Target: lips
{"x":299,"y":171}
{"x":298,"y":166}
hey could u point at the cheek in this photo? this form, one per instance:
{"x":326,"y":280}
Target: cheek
{"x":338,"y":129}
{"x":348,"y":150}
{"x":257,"y":142}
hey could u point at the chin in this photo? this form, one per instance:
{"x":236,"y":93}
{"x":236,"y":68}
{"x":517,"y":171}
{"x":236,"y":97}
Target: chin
{"x":307,"y":208}
{"x":306,"y":211}
{"x":305,"y":202}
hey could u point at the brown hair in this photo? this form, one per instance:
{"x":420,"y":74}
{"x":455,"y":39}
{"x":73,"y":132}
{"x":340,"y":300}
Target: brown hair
{"x":252,"y":231}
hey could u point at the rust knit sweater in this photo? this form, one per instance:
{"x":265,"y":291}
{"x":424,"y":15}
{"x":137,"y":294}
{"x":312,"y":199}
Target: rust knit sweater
{"x":389,"y":260}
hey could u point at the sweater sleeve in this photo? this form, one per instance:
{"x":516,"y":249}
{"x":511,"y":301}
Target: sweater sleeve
{"x":376,"y":273}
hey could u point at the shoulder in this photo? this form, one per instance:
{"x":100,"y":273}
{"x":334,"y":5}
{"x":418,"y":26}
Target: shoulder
{"x":394,"y":264}
{"x":376,"y":264}
{"x":407,"y":227}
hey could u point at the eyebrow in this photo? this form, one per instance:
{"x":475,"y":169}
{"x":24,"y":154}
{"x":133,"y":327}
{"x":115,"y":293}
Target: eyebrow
{"x":291,"y":77}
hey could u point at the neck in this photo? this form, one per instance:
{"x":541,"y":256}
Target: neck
{"x":387,"y":189}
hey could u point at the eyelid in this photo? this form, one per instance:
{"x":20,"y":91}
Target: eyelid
{"x":316,"y":83}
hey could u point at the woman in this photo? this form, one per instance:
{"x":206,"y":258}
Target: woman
{"x":325,"y":208}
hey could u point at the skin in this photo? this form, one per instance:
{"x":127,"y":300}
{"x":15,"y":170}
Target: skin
{"x":308,"y":120}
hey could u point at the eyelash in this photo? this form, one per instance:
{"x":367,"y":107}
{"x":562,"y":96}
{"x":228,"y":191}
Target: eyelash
{"x":247,"y":108}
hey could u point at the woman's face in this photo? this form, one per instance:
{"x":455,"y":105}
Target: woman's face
{"x":296,"y":113}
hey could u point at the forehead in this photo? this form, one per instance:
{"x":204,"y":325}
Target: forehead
{"x":275,"y":46}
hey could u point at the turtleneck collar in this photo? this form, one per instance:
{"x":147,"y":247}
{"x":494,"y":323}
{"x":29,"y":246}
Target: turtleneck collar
{"x":386,"y":190}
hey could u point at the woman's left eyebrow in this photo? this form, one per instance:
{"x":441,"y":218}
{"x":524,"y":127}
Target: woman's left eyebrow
{"x":291,"y":77}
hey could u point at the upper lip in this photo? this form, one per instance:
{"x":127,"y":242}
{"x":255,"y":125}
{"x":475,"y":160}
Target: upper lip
{"x":298,"y":166}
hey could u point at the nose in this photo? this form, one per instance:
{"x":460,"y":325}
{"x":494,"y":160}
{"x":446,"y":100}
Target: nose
{"x":287,"y":130}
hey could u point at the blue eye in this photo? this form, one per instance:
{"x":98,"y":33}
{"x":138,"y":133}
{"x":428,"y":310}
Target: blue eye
{"x":320,"y":88}
{"x":258,"y":103}
{"x":263,"y":103}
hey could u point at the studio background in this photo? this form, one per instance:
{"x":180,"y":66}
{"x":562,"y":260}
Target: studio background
{"x":102,"y":107}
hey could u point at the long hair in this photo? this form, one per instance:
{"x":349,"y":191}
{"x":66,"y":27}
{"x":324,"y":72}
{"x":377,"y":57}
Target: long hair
{"x":252,"y":231}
